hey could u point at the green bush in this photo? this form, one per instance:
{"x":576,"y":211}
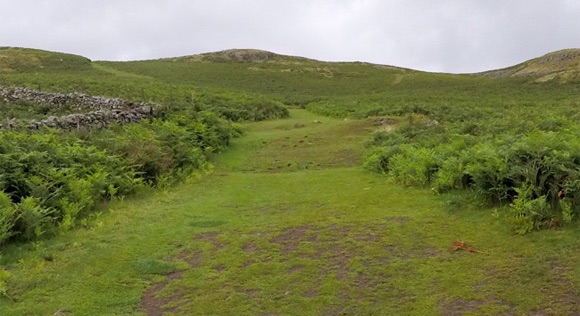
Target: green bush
{"x":530,"y":213}
{"x":544,"y":162}
{"x":8,"y":217}
{"x":33,"y":219}
{"x":451,"y":175}
{"x":51,"y":179}
{"x":413,"y":166}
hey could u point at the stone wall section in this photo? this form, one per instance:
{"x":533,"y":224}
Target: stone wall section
{"x":94,"y":111}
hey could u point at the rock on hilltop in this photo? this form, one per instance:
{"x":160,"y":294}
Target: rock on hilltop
{"x":232,"y":55}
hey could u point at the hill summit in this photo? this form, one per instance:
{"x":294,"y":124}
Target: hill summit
{"x":232,"y":55}
{"x":16,"y":59}
{"x":563,"y":66}
{"x":253,"y":55}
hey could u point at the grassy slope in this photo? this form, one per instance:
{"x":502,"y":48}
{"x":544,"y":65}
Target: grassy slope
{"x":292,"y":80}
{"x":284,"y":76}
{"x":289,"y":223}
{"x":17,"y":60}
{"x":561,"y":66}
{"x":352,"y":89}
{"x":264,"y":234}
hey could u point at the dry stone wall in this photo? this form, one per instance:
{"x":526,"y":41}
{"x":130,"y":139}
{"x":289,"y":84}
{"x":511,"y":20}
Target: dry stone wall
{"x":94,"y":111}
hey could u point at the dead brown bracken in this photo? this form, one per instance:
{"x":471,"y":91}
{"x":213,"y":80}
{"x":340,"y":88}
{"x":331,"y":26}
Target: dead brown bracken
{"x":458,"y":244}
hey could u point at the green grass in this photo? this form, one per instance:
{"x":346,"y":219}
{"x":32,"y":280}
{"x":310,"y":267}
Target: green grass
{"x":562,"y":66}
{"x":288,"y":222}
{"x":18,"y":60}
{"x":264,"y":235}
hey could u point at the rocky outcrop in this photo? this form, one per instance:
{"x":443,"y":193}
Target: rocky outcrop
{"x":93,"y":111}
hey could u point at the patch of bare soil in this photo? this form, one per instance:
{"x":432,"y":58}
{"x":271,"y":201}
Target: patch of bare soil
{"x":460,"y":306}
{"x":291,"y":238}
{"x":152,"y":304}
{"x":250,"y":247}
{"x":211,"y":238}
{"x":570,"y":299}
{"x":250,"y":294}
{"x":398,"y":219}
{"x":194,"y":260}
{"x":334,"y":247}
{"x":294,"y":269}
{"x":335,"y":311}
{"x":367,"y":237}
{"x":311,"y":293}
{"x":340,"y":258}
{"x":364,"y":281}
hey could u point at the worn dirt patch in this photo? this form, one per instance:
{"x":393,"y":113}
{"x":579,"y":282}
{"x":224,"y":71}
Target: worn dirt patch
{"x":340,"y":257}
{"x":294,"y":269}
{"x":291,"y":238}
{"x":458,"y":306}
{"x":398,"y":219}
{"x":334,"y":311}
{"x":220,"y":267}
{"x":248,"y":263}
{"x":212,"y":238}
{"x":340,"y":229}
{"x":250,"y":247}
{"x":252,"y":293}
{"x":367,"y":237}
{"x":333,"y":249}
{"x":365,"y":281}
{"x":571,"y":297}
{"x":194,"y":260}
{"x":311,"y":293}
{"x":152,"y":303}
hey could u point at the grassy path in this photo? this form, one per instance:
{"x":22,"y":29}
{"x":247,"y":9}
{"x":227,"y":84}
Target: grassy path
{"x":119,"y":73}
{"x":288,"y":223}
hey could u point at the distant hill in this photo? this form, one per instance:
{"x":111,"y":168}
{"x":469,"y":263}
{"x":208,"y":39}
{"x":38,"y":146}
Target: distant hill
{"x":16,"y":60}
{"x":562,"y":66}
{"x":261,"y":56}
{"x":232,"y":55}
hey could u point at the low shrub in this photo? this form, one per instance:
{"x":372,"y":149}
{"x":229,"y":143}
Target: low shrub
{"x":51,"y":179}
{"x":535,"y":170}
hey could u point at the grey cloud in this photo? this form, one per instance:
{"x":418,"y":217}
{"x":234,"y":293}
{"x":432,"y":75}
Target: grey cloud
{"x":444,"y":35}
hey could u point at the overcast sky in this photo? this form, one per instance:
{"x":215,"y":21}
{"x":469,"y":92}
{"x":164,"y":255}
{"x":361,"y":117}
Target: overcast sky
{"x":432,"y":35}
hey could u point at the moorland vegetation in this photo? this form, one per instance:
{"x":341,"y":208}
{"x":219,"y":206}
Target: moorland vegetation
{"x":52,"y":179}
{"x":511,"y":139}
{"x":507,"y":138}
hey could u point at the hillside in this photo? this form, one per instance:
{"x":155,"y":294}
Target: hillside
{"x":561,"y":66}
{"x":236,"y":55}
{"x":17,"y":60}
{"x":265,"y":184}
{"x":293,"y":80}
